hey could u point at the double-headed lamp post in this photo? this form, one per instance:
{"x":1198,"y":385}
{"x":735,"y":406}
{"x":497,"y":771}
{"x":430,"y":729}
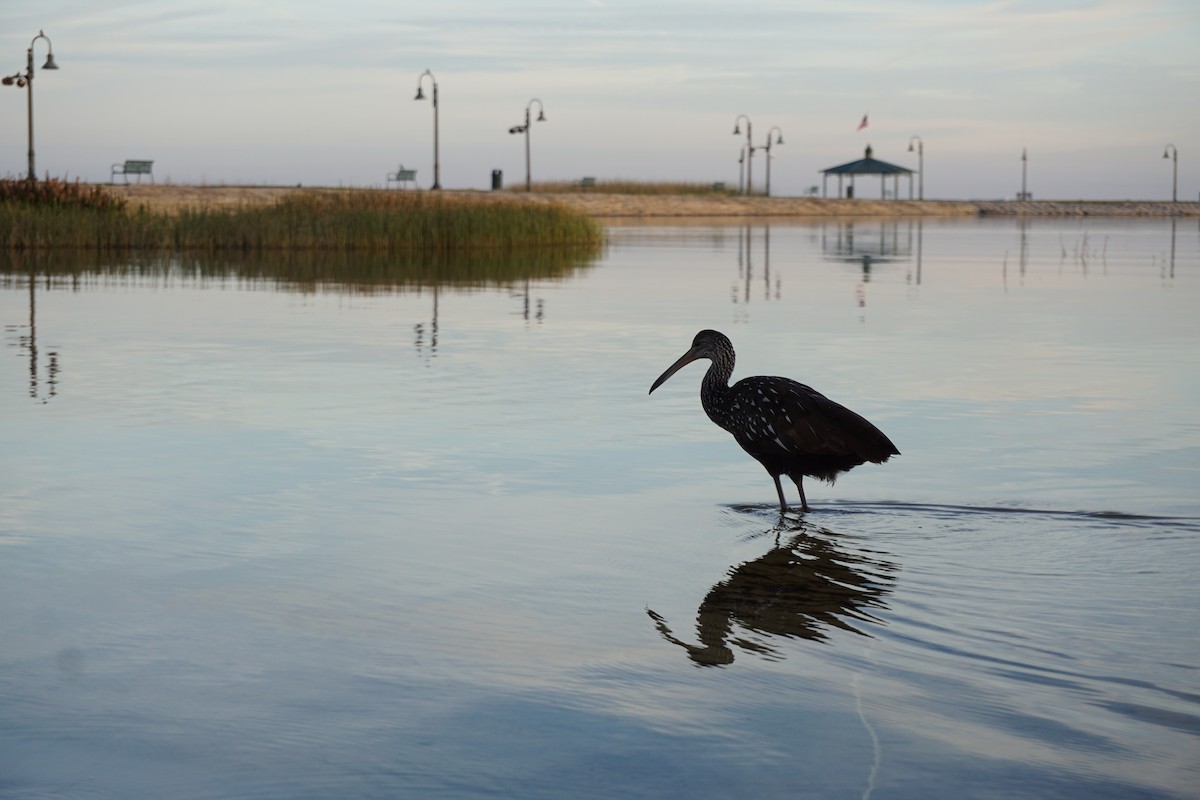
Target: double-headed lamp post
{"x":541,"y":117}
{"x":1168,"y":152}
{"x":749,"y":150}
{"x":26,"y":81}
{"x":920,"y":167}
{"x":437,"y":167}
{"x":778,"y":140}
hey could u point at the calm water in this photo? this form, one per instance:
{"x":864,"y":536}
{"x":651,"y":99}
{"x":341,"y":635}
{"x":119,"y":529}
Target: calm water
{"x":312,"y":531}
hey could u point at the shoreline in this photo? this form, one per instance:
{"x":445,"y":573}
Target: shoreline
{"x":172,"y":198}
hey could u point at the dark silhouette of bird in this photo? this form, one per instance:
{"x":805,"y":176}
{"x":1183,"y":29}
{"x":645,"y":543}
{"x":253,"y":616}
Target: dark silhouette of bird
{"x":790,"y":428}
{"x":804,"y":587}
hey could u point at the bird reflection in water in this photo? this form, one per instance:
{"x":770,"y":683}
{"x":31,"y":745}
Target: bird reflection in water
{"x":804,"y":587}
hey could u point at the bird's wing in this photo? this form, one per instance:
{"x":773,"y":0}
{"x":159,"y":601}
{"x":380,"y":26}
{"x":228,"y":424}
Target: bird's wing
{"x":786,"y":418}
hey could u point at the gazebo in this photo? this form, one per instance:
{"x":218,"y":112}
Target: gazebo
{"x":868,"y":165}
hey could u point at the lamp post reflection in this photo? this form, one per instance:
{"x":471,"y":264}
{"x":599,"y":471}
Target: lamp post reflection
{"x":1171,"y":267}
{"x":26,"y":82}
{"x":428,"y":350}
{"x":437,"y":167}
{"x":39,"y":390}
{"x":920,"y":234}
{"x":1022,"y":253}
{"x":1168,"y":152}
{"x":740,"y":292}
{"x":749,"y":151}
{"x":527,"y":304}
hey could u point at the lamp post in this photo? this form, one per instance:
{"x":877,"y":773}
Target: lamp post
{"x":541,"y":117}
{"x":437,"y":167}
{"x":920,"y":167}
{"x":1024,"y":171}
{"x":26,"y":81}
{"x":1168,"y":151}
{"x":749,"y":150}
{"x":778,"y":140}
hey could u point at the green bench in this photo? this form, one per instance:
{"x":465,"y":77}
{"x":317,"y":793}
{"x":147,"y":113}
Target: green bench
{"x":587,"y":183}
{"x":402,"y":176}
{"x":138,"y":168}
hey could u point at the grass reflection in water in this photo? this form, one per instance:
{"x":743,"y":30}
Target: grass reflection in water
{"x":302,"y":270}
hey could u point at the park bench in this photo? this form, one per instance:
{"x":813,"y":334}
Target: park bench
{"x":587,"y":183}
{"x":402,"y":176}
{"x":138,"y":168}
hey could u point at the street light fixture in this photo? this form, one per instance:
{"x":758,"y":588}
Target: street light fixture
{"x":920,"y":168}
{"x":26,"y":82}
{"x":1169,"y":151}
{"x":437,"y":167}
{"x":1024,"y":173}
{"x":749,"y":150}
{"x":541,"y":117}
{"x":778,"y":140}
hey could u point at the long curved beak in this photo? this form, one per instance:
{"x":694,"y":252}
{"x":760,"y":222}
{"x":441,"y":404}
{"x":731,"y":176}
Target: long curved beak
{"x":683,"y":361}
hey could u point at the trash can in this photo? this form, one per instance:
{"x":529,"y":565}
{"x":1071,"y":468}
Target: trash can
{"x":497,"y":180}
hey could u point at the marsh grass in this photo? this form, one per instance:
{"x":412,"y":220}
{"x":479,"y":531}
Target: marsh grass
{"x":58,"y":194}
{"x":351,"y":221}
{"x":622,"y":186}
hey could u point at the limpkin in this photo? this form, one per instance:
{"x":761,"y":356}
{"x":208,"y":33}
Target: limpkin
{"x":790,"y":428}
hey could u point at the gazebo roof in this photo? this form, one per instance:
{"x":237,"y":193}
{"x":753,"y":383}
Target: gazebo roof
{"x":868,"y":166}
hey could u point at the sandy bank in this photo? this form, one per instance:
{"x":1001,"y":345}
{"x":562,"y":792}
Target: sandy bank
{"x":165,"y":197}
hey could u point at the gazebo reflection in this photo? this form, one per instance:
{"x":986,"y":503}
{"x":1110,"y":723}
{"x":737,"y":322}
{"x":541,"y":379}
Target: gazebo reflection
{"x":871,"y":242}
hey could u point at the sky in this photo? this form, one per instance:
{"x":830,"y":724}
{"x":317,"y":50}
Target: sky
{"x":322,"y":93}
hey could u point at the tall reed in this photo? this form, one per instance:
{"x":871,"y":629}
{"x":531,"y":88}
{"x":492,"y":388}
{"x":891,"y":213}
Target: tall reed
{"x":390,"y":222}
{"x":59,"y":194}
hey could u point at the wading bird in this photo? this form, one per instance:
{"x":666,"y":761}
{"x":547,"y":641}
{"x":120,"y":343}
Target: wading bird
{"x":790,"y":428}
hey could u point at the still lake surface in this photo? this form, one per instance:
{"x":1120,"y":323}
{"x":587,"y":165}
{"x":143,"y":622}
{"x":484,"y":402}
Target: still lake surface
{"x":303,"y":532}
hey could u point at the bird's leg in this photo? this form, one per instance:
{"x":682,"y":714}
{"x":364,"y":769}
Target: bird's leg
{"x":800,"y":486}
{"x":779,"y":489}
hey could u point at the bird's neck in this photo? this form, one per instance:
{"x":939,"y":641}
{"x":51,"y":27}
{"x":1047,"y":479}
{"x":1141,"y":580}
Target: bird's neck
{"x":715,"y":385}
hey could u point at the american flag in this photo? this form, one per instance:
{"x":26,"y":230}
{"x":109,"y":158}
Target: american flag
{"x":862,"y":124}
